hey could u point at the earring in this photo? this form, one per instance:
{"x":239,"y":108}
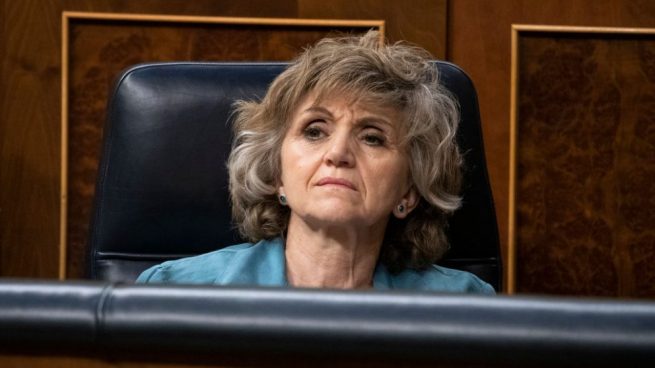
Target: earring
{"x":401,"y":208}
{"x":283,"y":199}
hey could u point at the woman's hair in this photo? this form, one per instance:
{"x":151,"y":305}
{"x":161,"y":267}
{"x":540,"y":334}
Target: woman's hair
{"x":397,"y":75}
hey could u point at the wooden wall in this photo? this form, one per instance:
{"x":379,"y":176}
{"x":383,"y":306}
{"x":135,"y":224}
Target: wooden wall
{"x":479,"y":40}
{"x":474,"y":34}
{"x":30,"y":98}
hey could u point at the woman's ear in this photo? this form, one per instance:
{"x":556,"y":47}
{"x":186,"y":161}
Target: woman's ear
{"x":407,"y":203}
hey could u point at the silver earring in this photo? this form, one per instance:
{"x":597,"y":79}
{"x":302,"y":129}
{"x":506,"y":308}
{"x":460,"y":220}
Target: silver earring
{"x":401,"y":208}
{"x":283,"y":199}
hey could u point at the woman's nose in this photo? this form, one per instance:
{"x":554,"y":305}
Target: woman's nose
{"x":339,"y":151}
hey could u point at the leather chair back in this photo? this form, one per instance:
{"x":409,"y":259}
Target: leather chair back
{"x":162,"y":189}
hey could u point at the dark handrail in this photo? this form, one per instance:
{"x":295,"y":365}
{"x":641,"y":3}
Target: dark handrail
{"x":384,"y":325}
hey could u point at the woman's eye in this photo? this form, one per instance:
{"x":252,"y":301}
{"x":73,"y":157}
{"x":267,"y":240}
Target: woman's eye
{"x":373,"y":140}
{"x":313,"y":132}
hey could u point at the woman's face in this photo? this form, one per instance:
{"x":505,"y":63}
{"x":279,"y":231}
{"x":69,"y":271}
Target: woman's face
{"x":342,"y":164}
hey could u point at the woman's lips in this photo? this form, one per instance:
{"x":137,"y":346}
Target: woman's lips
{"x":336,"y":181}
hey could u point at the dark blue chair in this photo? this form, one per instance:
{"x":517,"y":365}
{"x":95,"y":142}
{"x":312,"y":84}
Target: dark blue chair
{"x":162,"y":188}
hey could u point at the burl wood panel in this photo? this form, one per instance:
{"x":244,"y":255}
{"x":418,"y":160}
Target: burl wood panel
{"x":100,"y":49}
{"x":586,"y":164}
{"x":479,"y":40}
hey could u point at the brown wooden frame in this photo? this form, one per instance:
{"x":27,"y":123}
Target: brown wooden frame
{"x":68,"y":17}
{"x":517,"y":31}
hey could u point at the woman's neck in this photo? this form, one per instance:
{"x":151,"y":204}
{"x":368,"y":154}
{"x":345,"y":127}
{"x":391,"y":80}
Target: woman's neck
{"x":339,"y":257}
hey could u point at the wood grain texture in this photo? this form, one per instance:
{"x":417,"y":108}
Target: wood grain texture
{"x":479,"y":34}
{"x":586,"y":139}
{"x":422,"y":22}
{"x":29,"y":153}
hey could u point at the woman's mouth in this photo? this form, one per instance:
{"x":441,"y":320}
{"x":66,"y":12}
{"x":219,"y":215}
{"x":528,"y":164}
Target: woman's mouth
{"x":336,"y":181}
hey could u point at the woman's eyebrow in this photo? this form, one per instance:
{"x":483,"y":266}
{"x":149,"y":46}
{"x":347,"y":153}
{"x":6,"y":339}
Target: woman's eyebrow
{"x":367,"y":119}
{"x":318,"y":109}
{"x":375,"y":119}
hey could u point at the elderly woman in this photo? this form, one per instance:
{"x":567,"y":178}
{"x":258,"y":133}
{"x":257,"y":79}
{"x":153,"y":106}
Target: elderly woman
{"x":341,"y":177}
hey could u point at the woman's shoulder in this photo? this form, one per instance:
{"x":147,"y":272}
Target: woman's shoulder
{"x":215,"y":267}
{"x":439,"y":278}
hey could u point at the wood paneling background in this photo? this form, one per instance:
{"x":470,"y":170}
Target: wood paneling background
{"x":30,"y":98}
{"x":479,"y":40}
{"x":100,"y":48}
{"x":585,"y":161}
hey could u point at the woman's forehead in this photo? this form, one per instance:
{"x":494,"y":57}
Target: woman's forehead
{"x":350,"y":100}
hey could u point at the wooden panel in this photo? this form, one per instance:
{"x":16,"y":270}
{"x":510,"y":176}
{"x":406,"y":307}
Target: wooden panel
{"x":29,"y":148}
{"x":479,"y":34}
{"x":584,"y":162}
{"x":101,"y":46}
{"x":30,"y":97}
{"x":422,"y":22}
{"x":30,"y":35}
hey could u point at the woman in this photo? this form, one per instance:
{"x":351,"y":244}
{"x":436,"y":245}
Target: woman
{"x":341,"y":177}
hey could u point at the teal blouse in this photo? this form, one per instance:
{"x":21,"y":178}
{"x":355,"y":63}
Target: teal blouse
{"x":263,"y":264}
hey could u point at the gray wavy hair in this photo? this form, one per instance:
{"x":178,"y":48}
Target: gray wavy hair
{"x":398,"y":75}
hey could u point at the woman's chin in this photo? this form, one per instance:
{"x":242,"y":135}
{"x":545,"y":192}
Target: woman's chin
{"x":337,"y":217}
{"x":336,"y":211}
{"x":333,"y":216}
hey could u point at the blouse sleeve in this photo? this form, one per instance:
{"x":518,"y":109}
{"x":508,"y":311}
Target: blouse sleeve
{"x":152,"y":274}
